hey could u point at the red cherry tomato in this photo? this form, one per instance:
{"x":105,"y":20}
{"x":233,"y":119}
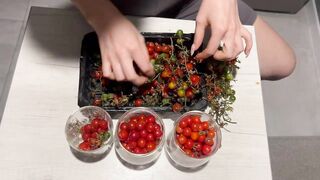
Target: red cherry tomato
{"x":88,"y":128}
{"x":177,"y":107}
{"x":201,"y":138}
{"x":205,"y":125}
{"x":134,"y":135}
{"x":138,"y":102}
{"x":124,"y":126}
{"x":150,"y":137}
{"x":183,"y":123}
{"x":143,"y":133}
{"x":189,"y":66}
{"x":151,"y":146}
{"x":94,"y":135}
{"x":195,"y":127}
{"x":196,"y":119}
{"x":209,"y":141}
{"x":182,"y":139}
{"x":95,"y":123}
{"x":189,"y":93}
{"x":85,"y":136}
{"x":85,"y":146}
{"x":158,"y":48}
{"x":211,"y":134}
{"x":189,"y":144}
{"x":103,"y":124}
{"x":158,"y":134}
{"x":132,"y":125}
{"x":150,"y":119}
{"x":141,"y":142}
{"x":187,"y":131}
{"x":179,"y":129}
{"x":206,"y":149}
{"x":123,"y":135}
{"x":195,"y":79}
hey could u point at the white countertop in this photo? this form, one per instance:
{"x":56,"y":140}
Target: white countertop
{"x":44,"y":93}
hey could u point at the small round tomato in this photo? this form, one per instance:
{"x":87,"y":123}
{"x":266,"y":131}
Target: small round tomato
{"x":85,"y":136}
{"x":141,"y":142}
{"x":177,"y":107}
{"x":196,"y":119}
{"x":187,"y":131}
{"x":194,"y":127}
{"x":179,"y":130}
{"x":150,"y":137}
{"x":150,"y":119}
{"x":150,"y":44}
{"x":195,"y":79}
{"x":206,"y":149}
{"x":157,"y":126}
{"x":189,"y":66}
{"x":179,"y":73}
{"x":150,"y":127}
{"x":209,"y":141}
{"x":165,"y":48}
{"x":183,"y":123}
{"x":95,"y":123}
{"x":182,"y":139}
{"x":158,"y":48}
{"x":166,"y":73}
{"x":211,"y":133}
{"x":194,"y":136}
{"x":140,"y":126}
{"x":88,"y":128}
{"x":188,"y":152}
{"x":143,"y":133}
{"x":158,"y":134}
{"x":181,"y":92}
{"x":85,"y":146}
{"x":123,"y":135}
{"x":201,"y":138}
{"x":172,"y":85}
{"x":134,"y":135}
{"x":124,"y":126}
{"x":189,"y":144}
{"x":132,"y":144}
{"x":103,"y":124}
{"x":138,"y":102}
{"x":137,"y":150}
{"x":197,"y":147}
{"x":205,"y":125}
{"x":151,"y":146}
{"x":94,"y":135}
{"x":189,"y":93}
{"x":132,"y":125}
{"x":97,"y":102}
{"x":200,"y":127}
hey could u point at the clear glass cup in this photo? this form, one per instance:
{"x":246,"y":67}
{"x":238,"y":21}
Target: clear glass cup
{"x":178,"y":156}
{"x":78,"y":119}
{"x":138,"y":159}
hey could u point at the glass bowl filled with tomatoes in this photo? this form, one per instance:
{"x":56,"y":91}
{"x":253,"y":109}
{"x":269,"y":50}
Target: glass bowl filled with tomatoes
{"x":194,"y":139}
{"x":140,"y":136}
{"x":89,"y":131}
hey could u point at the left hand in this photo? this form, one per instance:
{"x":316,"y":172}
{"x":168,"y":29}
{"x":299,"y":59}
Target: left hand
{"x":222,"y":17}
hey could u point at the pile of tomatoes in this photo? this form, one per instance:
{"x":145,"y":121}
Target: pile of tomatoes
{"x":195,"y":137}
{"x":140,"y":134}
{"x":94,"y":134}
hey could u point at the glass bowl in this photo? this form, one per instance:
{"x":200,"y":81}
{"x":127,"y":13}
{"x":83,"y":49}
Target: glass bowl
{"x":178,"y":156}
{"x":82,"y":117}
{"x":133,"y":158}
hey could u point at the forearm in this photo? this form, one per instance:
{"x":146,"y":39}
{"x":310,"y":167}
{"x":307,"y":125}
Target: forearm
{"x":96,"y":11}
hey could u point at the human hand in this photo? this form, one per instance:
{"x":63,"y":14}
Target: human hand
{"x":222,"y":17}
{"x":121,"y":46}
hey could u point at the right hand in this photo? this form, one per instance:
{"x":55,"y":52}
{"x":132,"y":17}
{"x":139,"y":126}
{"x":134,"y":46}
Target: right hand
{"x":121,"y":45}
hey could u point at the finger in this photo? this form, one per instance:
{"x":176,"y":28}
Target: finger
{"x":129,"y":71}
{"x":106,"y":66}
{"x":141,"y":58}
{"x":116,"y":67}
{"x":213,"y":44}
{"x":198,"y":36}
{"x":248,"y":40}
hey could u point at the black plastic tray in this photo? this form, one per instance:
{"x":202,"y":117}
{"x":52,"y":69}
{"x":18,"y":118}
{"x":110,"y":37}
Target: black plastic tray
{"x":90,"y":48}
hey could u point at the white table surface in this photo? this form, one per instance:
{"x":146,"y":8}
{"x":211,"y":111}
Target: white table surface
{"x":44,"y":93}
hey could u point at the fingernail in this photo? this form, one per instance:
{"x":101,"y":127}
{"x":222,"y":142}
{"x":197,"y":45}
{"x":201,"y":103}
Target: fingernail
{"x":192,"y":49}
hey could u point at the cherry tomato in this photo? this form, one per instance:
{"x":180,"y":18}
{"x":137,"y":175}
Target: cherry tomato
{"x":124,"y":126}
{"x":209,"y":141}
{"x":94,"y":135}
{"x":194,"y":136}
{"x":189,"y":120}
{"x":197,"y":147}
{"x":143,"y":133}
{"x":205,"y":125}
{"x":140,"y":125}
{"x":103,"y":124}
{"x":88,"y":128}
{"x":177,"y":107}
{"x":206,"y":149}
{"x":97,"y":102}
{"x":179,"y":129}
{"x":150,"y":119}
{"x":166,"y":73}
{"x":181,"y":92}
{"x":137,"y":150}
{"x":150,"y":137}
{"x":85,"y":146}
{"x":183,"y":123}
{"x":150,"y":44}
{"x":132,"y":125}
{"x":150,"y":127}
{"x":187,"y":131}
{"x":195,"y":79}
{"x":158,"y":48}
{"x":165,"y":49}
{"x":134,"y":135}
{"x":196,"y":119}
{"x":151,"y":146}
{"x":172,"y":85}
{"x":201,"y":138}
{"x":141,"y":142}
{"x":123,"y":135}
{"x":150,"y":50}
{"x":179,"y":73}
{"x":85,"y":136}
{"x":132,"y":144}
{"x":158,"y":134}
{"x":211,"y":133}
{"x":138,"y":102}
{"x":182,"y":139}
{"x":95,"y":123}
{"x":189,"y":144}
{"x":157,"y":126}
{"x":189,"y":93}
{"x":200,"y":127}
{"x":188,"y":152}
{"x":189,"y":66}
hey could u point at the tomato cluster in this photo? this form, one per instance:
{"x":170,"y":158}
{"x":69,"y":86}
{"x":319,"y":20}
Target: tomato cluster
{"x":195,"y":137}
{"x":140,"y":134}
{"x":94,"y":134}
